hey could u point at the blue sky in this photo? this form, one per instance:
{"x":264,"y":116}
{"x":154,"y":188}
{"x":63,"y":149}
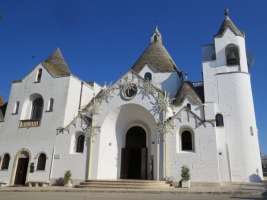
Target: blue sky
{"x":100,"y":40}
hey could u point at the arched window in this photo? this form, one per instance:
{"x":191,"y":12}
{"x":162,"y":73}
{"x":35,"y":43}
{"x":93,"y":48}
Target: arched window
{"x":232,"y":54}
{"x":39,"y":75}
{"x":148,"y":76}
{"x":188,"y":106}
{"x":41,"y":162}
{"x":186,"y":141}
{"x":219,"y":120}
{"x":50,"y":104}
{"x":80,"y":144}
{"x":37,"y":108}
{"x":155,"y":38}
{"x":5,"y":162}
{"x":16,"y":108}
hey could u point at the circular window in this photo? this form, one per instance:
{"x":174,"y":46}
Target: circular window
{"x":129,"y":92}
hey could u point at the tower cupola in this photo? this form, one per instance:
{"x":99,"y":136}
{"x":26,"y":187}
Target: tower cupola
{"x":227,"y":23}
{"x":156,"y":36}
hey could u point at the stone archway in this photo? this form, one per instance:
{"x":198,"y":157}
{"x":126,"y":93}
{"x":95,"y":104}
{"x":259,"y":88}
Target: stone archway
{"x":23,"y":155}
{"x":22,"y":168}
{"x":134,"y":155}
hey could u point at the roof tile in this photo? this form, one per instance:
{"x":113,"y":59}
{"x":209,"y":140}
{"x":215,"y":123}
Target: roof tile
{"x":188,"y":90}
{"x":56,"y":64}
{"x":227,"y":23}
{"x":157,"y":57}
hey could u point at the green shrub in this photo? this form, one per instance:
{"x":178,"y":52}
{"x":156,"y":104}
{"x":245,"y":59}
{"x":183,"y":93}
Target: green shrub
{"x":67,"y":177}
{"x":185,"y":173}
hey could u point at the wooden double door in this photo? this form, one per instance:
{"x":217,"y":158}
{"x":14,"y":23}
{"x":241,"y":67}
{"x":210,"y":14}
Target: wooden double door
{"x":133,"y":163}
{"x":134,"y":155}
{"x":21,"y":172}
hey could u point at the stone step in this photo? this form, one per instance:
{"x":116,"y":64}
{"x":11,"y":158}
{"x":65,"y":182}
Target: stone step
{"x":120,"y":186}
{"x":126,"y":181}
{"x":124,"y":184}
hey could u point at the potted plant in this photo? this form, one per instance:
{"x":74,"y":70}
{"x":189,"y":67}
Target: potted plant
{"x":185,"y":175}
{"x":67,"y":179}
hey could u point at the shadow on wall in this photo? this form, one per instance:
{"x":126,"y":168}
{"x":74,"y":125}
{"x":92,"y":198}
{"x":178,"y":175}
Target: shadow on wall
{"x":59,"y":182}
{"x":255,"y":177}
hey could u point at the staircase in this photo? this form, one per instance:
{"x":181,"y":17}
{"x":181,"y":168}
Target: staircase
{"x":122,"y":184}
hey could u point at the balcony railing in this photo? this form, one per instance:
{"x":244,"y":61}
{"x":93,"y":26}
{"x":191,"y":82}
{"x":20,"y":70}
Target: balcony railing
{"x":29,"y":123}
{"x":197,"y":83}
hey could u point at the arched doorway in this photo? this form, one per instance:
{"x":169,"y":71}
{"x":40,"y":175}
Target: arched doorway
{"x":134,"y":155}
{"x":22,"y":168}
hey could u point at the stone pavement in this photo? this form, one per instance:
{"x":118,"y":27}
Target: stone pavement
{"x":223,"y":188}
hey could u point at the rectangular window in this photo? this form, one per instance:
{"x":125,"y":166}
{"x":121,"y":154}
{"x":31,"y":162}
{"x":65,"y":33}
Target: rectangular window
{"x":16,"y":108}
{"x":50,"y":105}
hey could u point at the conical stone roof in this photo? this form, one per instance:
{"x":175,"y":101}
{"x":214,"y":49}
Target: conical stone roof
{"x":56,"y":64}
{"x":2,"y":101}
{"x":157,"y":57}
{"x":187,"y":90}
{"x":227,"y":23}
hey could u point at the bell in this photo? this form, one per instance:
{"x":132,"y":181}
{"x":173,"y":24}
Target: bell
{"x":232,"y":59}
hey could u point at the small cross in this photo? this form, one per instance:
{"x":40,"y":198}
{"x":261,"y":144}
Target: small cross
{"x":157,"y":22}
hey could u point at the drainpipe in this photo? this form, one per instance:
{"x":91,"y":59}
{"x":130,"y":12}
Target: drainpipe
{"x":204,"y":114}
{"x":90,"y":153}
{"x":158,"y":157}
{"x":81,"y":92}
{"x":165,"y":140}
{"x":52,"y":160}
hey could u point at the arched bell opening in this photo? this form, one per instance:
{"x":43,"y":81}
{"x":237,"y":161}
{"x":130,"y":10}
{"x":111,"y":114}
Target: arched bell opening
{"x":232,"y":54}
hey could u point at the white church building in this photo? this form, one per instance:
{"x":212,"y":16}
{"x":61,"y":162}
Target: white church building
{"x":147,"y":125}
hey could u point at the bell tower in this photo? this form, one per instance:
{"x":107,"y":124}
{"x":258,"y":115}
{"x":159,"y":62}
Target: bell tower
{"x":228,"y":94}
{"x":156,"y":36}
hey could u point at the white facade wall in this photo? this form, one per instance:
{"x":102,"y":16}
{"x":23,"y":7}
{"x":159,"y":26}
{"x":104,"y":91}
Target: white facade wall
{"x":207,"y":52}
{"x":230,"y":89}
{"x":73,"y":99}
{"x":42,"y":138}
{"x":66,"y":157}
{"x":203,"y":159}
{"x":226,"y":153}
{"x":33,"y":138}
{"x":197,"y":109}
{"x":242,"y":136}
{"x":113,"y":137}
{"x":117,"y":117}
{"x":168,"y":81}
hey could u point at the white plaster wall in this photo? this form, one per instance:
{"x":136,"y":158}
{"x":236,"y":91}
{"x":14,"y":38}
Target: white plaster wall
{"x":114,"y":131}
{"x":207,"y":52}
{"x":228,"y":87}
{"x":202,"y":161}
{"x":97,"y":88}
{"x":243,"y":145}
{"x":220,"y":44}
{"x":197,"y":109}
{"x":69,"y":158}
{"x":66,"y":94}
{"x":168,"y":81}
{"x":73,"y":98}
{"x":209,"y":80}
{"x":115,"y":116}
{"x":36,"y":139}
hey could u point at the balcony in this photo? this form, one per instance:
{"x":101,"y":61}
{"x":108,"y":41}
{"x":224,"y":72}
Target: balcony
{"x":29,"y":123}
{"x":198,"y":83}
